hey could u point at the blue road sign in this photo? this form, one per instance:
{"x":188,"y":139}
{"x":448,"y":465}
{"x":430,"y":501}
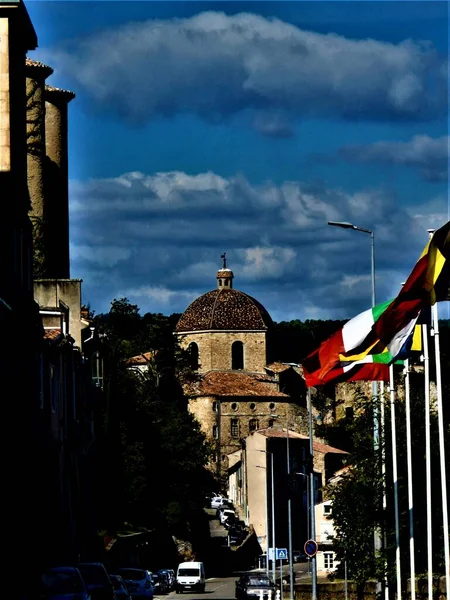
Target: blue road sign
{"x":281,"y":553}
{"x":311,"y":548}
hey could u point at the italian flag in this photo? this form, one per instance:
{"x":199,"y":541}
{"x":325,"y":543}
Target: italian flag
{"x":353,"y":354}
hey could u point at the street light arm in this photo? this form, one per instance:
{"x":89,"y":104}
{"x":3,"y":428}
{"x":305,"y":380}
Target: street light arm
{"x":346,"y":225}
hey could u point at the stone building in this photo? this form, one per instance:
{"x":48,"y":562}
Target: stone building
{"x":250,"y":483}
{"x":238,"y":390}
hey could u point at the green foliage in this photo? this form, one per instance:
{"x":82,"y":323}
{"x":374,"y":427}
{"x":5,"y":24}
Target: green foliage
{"x":151,"y":448}
{"x":357,"y":498}
{"x":291,"y":341}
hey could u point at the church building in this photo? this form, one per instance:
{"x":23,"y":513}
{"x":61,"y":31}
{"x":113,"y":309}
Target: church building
{"x":238,"y":390}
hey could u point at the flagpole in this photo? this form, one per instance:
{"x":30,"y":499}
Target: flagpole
{"x":410,"y":482}
{"x":395,"y":481}
{"x":435,"y":322}
{"x":383,"y":478}
{"x":426,"y":361}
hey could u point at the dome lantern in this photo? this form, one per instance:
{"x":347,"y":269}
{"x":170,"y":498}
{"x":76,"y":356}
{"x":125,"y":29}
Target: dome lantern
{"x":224,"y":275}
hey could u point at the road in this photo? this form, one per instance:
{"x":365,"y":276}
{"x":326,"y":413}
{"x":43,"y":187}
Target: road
{"x":222,"y":588}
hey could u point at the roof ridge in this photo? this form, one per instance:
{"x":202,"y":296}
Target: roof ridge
{"x":214,"y":308}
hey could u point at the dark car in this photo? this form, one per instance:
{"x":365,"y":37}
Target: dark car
{"x":122,"y":592}
{"x":299,"y":556}
{"x":60,"y":583}
{"x":97,"y":580}
{"x":253,"y":584}
{"x":170,"y":574}
{"x":160,"y":583}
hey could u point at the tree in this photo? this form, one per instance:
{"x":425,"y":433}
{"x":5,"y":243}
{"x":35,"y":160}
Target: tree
{"x":151,"y":448}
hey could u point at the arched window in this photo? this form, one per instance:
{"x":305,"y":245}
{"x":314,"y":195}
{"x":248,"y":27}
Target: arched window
{"x":237,"y":356}
{"x":193,"y":355}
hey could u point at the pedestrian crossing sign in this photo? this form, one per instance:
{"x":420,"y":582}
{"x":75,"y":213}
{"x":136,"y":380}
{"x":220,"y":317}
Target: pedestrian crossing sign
{"x":281,"y":553}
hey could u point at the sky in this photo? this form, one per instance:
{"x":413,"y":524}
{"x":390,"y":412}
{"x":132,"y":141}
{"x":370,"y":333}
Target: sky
{"x":200,"y":128}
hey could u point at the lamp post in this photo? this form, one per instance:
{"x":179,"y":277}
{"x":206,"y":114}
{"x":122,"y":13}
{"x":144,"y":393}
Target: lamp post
{"x":267,"y":524}
{"x":376,"y":433}
{"x":274,"y":566}
{"x":290,"y":550}
{"x":346,"y":225}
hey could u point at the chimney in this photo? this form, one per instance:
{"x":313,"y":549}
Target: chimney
{"x":56,"y":182}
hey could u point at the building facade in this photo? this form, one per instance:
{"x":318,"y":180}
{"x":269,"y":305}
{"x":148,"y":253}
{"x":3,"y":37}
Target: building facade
{"x":237,"y":389}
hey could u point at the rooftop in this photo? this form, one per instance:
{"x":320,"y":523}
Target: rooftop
{"x":234,"y":383}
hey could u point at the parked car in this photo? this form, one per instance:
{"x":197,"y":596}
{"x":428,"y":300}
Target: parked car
{"x":253,"y":584}
{"x":97,"y":579}
{"x":227,"y":514}
{"x":138,"y":581}
{"x":170,"y":577}
{"x":61,"y":583}
{"x":160,"y":583}
{"x":299,"y":556}
{"x":120,"y":588}
{"x":216,"y":501}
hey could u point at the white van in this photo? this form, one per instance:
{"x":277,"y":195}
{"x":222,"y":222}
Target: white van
{"x":190,"y":576}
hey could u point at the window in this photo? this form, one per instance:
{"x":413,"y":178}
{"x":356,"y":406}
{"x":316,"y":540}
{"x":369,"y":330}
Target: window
{"x":270,"y":423}
{"x":234,"y":406}
{"x":253,"y":425}
{"x":328,"y":562}
{"x":193,"y":355}
{"x":272,"y":405}
{"x":237,"y":356}
{"x":215,"y":431}
{"x":252,"y":406}
{"x":349,"y":413}
{"x":327,"y":509}
{"x":214,"y":406}
{"x":234,"y":428}
{"x":220,"y":283}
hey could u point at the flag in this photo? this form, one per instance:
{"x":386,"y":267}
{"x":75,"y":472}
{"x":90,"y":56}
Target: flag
{"x":427,"y":284}
{"x":346,"y":355}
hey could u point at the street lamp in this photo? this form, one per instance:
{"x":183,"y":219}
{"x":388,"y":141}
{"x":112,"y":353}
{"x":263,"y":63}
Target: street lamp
{"x":290,"y":551}
{"x":274,"y":566}
{"x":346,"y":225}
{"x":376,"y":434}
{"x":267,"y":523}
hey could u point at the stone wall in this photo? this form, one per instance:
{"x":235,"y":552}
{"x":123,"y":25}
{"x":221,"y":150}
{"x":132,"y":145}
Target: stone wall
{"x":206,"y":411}
{"x":329,"y":590}
{"x":215,"y":349}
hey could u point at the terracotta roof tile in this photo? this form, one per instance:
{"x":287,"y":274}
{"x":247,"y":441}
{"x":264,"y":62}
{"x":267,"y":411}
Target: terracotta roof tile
{"x":51,"y":334}
{"x":224,"y":309}
{"x":51,"y":89}
{"x":317,"y":446}
{"x":278,"y":367}
{"x":46,"y":70}
{"x":141,"y":359}
{"x":226,"y":383}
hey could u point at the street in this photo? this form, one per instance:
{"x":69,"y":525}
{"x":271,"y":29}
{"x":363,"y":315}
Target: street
{"x":222,"y":588}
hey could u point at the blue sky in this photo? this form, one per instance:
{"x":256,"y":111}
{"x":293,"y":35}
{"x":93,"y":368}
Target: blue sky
{"x":204,"y":127}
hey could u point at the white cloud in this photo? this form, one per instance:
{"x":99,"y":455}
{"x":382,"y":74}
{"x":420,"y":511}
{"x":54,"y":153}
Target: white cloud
{"x":216,"y":65}
{"x":158,"y":241}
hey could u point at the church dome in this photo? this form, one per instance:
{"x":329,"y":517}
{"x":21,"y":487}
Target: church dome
{"x":224,"y":309}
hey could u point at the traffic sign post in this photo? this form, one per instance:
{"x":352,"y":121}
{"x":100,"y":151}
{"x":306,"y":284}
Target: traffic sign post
{"x":311,"y":548}
{"x":282,"y":553}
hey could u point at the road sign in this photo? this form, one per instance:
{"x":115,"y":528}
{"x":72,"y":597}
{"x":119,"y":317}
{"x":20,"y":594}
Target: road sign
{"x":311,"y":548}
{"x":281,"y":553}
